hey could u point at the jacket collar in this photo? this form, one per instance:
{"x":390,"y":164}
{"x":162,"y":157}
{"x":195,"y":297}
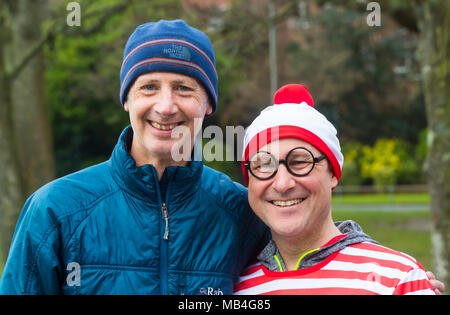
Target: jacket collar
{"x":142,"y":182}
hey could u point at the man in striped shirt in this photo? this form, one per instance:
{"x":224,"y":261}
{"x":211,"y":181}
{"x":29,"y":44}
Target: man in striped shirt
{"x":292,"y":162}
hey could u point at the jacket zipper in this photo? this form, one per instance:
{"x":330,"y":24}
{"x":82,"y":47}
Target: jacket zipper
{"x":164,"y":243}
{"x":163,"y":268}
{"x":164,"y":250}
{"x":166,"y":219}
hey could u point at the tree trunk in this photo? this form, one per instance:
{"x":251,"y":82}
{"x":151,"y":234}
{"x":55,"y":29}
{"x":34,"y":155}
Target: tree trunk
{"x":26,"y":155}
{"x":31,"y":122}
{"x":434,"y":24}
{"x":11,"y":194}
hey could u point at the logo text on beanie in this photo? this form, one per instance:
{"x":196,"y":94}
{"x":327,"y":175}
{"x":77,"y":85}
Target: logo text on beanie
{"x":178,"y":52}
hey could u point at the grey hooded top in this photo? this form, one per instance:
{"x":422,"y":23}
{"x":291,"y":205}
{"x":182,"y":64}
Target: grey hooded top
{"x":350,"y":228}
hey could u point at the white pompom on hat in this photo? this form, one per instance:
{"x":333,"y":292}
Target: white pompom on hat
{"x":293,"y":116}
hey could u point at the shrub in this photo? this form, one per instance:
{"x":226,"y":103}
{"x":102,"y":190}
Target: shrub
{"x":351,"y":170}
{"x":390,"y":162}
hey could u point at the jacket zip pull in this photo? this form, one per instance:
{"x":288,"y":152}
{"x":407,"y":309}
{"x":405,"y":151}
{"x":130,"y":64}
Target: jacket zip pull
{"x":166,"y":218}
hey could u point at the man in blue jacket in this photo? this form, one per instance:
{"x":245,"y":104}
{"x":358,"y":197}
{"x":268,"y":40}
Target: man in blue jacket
{"x":143,"y":222}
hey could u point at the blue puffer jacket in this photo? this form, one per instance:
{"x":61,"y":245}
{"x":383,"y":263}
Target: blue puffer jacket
{"x":114,"y":229}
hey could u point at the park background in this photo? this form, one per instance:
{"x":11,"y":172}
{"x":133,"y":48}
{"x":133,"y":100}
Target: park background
{"x":381,"y":80}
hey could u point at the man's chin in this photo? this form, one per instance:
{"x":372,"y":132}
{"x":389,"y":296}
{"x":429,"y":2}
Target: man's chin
{"x":171,"y":154}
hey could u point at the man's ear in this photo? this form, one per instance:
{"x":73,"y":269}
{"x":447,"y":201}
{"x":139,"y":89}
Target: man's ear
{"x":334,"y":181}
{"x":209,"y":109}
{"x":125,"y":106}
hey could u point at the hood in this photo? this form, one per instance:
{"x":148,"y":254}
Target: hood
{"x":352,"y":233}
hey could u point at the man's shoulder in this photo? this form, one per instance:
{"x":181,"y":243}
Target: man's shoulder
{"x":394,"y":269}
{"x":221,"y":186}
{"x":231,"y":199}
{"x":381,"y":255}
{"x":75,"y":191}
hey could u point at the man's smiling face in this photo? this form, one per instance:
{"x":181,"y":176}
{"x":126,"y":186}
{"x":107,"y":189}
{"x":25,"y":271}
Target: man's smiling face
{"x":293,"y":206}
{"x":158,"y":103}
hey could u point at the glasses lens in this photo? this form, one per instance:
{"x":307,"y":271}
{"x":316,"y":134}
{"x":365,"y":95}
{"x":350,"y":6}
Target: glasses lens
{"x":300,"y":161}
{"x":262,"y":164}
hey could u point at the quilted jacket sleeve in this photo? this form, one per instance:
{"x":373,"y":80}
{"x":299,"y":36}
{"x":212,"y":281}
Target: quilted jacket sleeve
{"x":33,"y":266}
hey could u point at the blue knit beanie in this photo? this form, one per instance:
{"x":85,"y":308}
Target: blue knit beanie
{"x":169,"y":46}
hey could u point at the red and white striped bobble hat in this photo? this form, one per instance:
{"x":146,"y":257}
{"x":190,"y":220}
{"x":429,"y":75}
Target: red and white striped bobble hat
{"x":293,"y":116}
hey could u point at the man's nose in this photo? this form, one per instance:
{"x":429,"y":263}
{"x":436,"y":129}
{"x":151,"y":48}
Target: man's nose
{"x":165,"y":104}
{"x":283,"y":180}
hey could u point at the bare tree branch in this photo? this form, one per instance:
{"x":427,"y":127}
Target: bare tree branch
{"x":15,"y":71}
{"x":58,"y":27}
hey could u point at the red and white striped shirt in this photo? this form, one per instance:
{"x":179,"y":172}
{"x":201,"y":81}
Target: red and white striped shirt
{"x":362,"y":268}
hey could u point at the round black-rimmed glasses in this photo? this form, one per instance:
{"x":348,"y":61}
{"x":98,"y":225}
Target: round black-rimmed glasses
{"x":299,"y":162}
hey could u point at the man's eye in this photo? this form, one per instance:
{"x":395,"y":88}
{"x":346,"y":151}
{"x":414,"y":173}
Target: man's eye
{"x":148,"y":87}
{"x":184,"y":88}
{"x":298,"y":162}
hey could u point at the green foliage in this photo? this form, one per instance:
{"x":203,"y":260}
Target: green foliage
{"x":381,"y":162}
{"x":364,"y":79}
{"x":351,"y":171}
{"x":240,"y":45}
{"x":421,"y":148}
{"x":390,"y":162}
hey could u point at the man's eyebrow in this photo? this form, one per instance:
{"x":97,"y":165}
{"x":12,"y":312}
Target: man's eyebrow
{"x":189,"y":82}
{"x":146,"y":81}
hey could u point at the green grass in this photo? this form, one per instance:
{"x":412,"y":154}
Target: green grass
{"x":398,"y":198}
{"x":405,"y":231}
